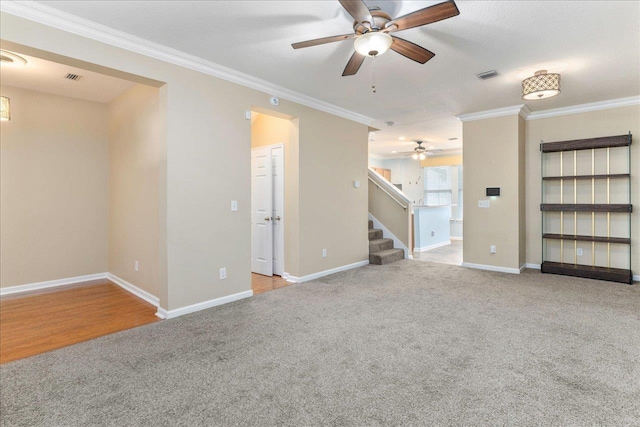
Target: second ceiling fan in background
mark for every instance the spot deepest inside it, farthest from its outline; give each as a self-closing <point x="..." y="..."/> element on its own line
<point x="372" y="28"/>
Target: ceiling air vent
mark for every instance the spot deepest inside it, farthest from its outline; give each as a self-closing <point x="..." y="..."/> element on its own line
<point x="73" y="77"/>
<point x="487" y="75"/>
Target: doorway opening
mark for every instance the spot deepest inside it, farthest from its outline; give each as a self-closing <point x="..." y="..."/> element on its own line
<point x="270" y="140"/>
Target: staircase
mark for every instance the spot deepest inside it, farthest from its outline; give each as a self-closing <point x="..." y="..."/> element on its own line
<point x="381" y="250"/>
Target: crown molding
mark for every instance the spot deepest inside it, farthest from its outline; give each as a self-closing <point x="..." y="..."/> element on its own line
<point x="58" y="19"/>
<point x="584" y="108"/>
<point x="521" y="110"/>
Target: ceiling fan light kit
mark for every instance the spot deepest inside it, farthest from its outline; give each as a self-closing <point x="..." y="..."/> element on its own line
<point x="372" y="28"/>
<point x="541" y="85"/>
<point x="373" y="43"/>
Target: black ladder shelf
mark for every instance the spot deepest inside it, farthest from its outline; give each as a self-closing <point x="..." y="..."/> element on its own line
<point x="593" y="271"/>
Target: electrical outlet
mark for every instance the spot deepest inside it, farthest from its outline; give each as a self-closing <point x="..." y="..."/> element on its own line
<point x="324" y="253"/>
<point x="234" y="206"/>
<point x="223" y="273"/>
<point x="579" y="251"/>
<point x="136" y="266"/>
<point x="483" y="203"/>
<point x="492" y="249"/>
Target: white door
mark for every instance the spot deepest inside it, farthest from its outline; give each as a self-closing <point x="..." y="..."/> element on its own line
<point x="277" y="167"/>
<point x="261" y="211"/>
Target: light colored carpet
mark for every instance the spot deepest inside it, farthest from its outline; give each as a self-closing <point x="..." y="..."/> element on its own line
<point x="411" y="343"/>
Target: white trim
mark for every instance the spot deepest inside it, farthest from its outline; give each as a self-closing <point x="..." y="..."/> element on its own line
<point x="428" y="248"/>
<point x="584" y="108"/>
<point x="293" y="279"/>
<point x="140" y="293"/>
<point x="493" y="268"/>
<point x="455" y="238"/>
<point x="532" y="266"/>
<point x="636" y="277"/>
<point x="170" y="314"/>
<point x="388" y="234"/>
<point x="521" y="109"/>
<point x="51" y="284"/>
<point x="55" y="18"/>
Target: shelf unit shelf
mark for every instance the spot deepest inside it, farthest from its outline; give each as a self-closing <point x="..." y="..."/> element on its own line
<point x="597" y="239"/>
<point x="585" y="207"/>
<point x="583" y="177"/>
<point x="619" y="275"/>
<point x="564" y="209"/>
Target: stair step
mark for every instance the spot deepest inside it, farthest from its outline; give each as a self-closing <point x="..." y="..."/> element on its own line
<point x="378" y="245"/>
<point x="370" y="224"/>
<point x="375" y="234"/>
<point x="386" y="257"/>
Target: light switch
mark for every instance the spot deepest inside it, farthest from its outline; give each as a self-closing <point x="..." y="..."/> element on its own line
<point x="356" y="184"/>
<point x="247" y="115"/>
<point x="234" y="205"/>
<point x="483" y="203"/>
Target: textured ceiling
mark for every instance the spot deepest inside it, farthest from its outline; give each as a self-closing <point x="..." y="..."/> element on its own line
<point x="595" y="45"/>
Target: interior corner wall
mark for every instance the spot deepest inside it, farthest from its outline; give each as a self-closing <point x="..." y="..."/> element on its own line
<point x="492" y="158"/>
<point x="614" y="121"/>
<point x="208" y="164"/>
<point x="522" y="193"/>
<point x="54" y="188"/>
<point x="134" y="156"/>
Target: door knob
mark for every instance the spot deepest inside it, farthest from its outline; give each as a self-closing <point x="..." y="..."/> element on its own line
<point x="267" y="219"/>
<point x="277" y="218"/>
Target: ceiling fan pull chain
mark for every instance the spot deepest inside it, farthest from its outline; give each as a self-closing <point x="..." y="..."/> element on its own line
<point x="373" y="74"/>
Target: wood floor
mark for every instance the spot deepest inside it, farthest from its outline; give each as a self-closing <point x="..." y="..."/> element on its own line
<point x="261" y="284"/>
<point x="37" y="322"/>
<point x="49" y="319"/>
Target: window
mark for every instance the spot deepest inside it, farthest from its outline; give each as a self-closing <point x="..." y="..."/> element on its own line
<point x="437" y="185"/>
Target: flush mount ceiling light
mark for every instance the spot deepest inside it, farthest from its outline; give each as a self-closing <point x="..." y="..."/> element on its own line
<point x="541" y="85"/>
<point x="5" y="109"/>
<point x="10" y="58"/>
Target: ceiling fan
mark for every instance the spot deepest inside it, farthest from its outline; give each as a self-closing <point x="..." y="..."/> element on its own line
<point x="372" y="28"/>
<point x="421" y="152"/>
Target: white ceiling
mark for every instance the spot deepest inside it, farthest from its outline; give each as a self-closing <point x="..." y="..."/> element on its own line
<point x="49" y="77"/>
<point x="595" y="45"/>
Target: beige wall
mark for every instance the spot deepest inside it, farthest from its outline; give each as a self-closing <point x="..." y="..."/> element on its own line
<point x="134" y="150"/>
<point x="54" y="181"/>
<point x="617" y="121"/>
<point x="492" y="155"/>
<point x="208" y="142"/>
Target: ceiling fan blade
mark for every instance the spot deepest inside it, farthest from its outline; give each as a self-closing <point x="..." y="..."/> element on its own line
<point x="411" y="50"/>
<point x="358" y="10"/>
<point x="353" y="65"/>
<point x="424" y="16"/>
<point x="316" y="42"/>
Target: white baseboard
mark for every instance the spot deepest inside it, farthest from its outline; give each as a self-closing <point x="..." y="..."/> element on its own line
<point x="170" y="314"/>
<point x="533" y="266"/>
<point x="151" y="299"/>
<point x="428" y="248"/>
<point x="493" y="268"/>
<point x="389" y="235"/>
<point x="294" y="279"/>
<point x="636" y="277"/>
<point x="455" y="238"/>
<point x="51" y="284"/>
